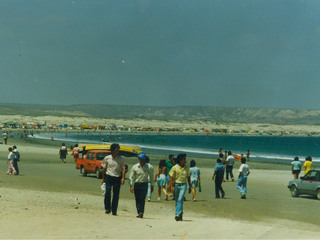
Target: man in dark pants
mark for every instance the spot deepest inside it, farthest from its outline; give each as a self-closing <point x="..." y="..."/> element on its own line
<point x="229" y="166"/>
<point x="113" y="174"/>
<point x="139" y="179"/>
<point x="218" y="177"/>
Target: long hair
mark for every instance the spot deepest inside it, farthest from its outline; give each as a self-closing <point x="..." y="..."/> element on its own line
<point x="162" y="163"/>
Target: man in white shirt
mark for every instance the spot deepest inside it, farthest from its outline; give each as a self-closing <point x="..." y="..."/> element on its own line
<point x="244" y="172"/>
<point x="113" y="174"/>
<point x="229" y="166"/>
<point x="140" y="175"/>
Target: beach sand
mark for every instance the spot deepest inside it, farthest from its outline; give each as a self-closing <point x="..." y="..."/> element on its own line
<point x="50" y="200"/>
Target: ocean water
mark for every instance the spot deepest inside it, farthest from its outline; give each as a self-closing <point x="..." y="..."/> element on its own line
<point x="264" y="148"/>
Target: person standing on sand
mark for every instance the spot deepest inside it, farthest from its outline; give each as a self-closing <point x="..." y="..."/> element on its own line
<point x="179" y="175"/>
<point x="139" y="175"/>
<point x="244" y="172"/>
<point x="194" y="178"/>
<point x="63" y="153"/>
<point x="161" y="178"/>
<point x="307" y="165"/>
<point x="218" y="178"/>
<point x="10" y="161"/>
<point x="296" y="167"/>
<point x="5" y="137"/>
<point x="113" y="174"/>
<point x="229" y="166"/>
<point x="170" y="163"/>
<point x="248" y="155"/>
<point x="75" y="152"/>
<point x="16" y="159"/>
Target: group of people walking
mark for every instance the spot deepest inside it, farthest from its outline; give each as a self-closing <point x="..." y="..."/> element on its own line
<point x="141" y="175"/>
<point x="173" y="177"/>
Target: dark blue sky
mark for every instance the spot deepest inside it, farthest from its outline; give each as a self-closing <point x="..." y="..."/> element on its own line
<point x="161" y="53"/>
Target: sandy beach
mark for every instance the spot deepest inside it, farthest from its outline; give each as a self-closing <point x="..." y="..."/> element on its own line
<point x="50" y="200"/>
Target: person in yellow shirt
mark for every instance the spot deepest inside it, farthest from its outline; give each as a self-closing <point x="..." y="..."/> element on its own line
<point x="179" y="175"/>
<point x="307" y="165"/>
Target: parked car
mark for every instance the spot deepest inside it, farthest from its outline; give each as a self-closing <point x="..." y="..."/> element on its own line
<point x="91" y="162"/>
<point x="92" y="156"/>
<point x="309" y="184"/>
<point x="127" y="151"/>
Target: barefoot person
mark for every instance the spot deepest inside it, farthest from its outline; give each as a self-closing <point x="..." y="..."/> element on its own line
<point x="244" y="172"/>
<point x="248" y="155"/>
<point x="296" y="167"/>
<point x="179" y="175"/>
<point x="113" y="174"/>
<point x="139" y="175"/>
<point x="161" y="177"/>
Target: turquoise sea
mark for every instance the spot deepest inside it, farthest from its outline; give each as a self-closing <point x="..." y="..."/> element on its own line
<point x="264" y="148"/>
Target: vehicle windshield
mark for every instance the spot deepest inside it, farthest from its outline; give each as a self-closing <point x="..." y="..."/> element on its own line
<point x="101" y="156"/>
<point x="312" y="175"/>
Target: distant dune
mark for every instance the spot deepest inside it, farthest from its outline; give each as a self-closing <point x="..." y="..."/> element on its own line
<point x="188" y="113"/>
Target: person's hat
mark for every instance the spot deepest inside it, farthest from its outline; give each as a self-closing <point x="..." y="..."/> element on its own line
<point x="142" y="155"/>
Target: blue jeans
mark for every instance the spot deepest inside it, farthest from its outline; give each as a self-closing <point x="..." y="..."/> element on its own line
<point x="179" y="191"/>
<point x="149" y="191"/>
<point x="242" y="184"/>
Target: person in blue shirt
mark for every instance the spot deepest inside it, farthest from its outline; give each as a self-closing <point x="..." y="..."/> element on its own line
<point x="296" y="167"/>
<point x="218" y="178"/>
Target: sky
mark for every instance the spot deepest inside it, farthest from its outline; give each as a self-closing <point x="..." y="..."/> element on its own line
<point x="248" y="53"/>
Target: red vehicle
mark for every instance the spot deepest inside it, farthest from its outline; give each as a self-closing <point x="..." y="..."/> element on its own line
<point x="91" y="162"/>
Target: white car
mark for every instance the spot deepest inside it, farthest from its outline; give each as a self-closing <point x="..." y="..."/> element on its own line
<point x="309" y="184"/>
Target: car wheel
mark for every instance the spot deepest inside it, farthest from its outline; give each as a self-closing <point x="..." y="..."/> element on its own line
<point x="98" y="173"/>
<point x="82" y="171"/>
<point x="294" y="191"/>
<point x="318" y="193"/>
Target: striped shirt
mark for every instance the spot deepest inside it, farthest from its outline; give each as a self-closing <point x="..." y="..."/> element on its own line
<point x="179" y="174"/>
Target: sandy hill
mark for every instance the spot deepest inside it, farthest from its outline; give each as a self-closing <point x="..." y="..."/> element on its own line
<point x="210" y="114"/>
